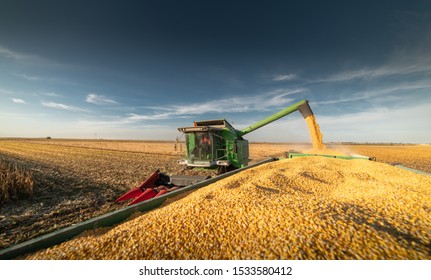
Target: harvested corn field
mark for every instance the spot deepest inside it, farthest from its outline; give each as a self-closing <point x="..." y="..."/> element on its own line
<point x="15" y="182"/>
<point x="304" y="208"/>
<point x="74" y="182"/>
<point x="413" y="156"/>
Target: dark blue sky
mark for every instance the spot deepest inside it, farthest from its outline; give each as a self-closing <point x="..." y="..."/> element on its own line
<point x="140" y="69"/>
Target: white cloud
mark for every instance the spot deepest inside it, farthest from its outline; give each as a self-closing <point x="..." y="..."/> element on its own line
<point x="287" y="77"/>
<point x="263" y="102"/>
<point x="357" y="74"/>
<point x="99" y="99"/>
<point x="106" y="130"/>
<point x="117" y="122"/>
<point x="27" y="59"/>
<point x="399" y="64"/>
<point x="136" y="117"/>
<point x="378" y="124"/>
<point x="50" y="94"/>
<point x="18" y="100"/>
<point x="9" y="92"/>
<point x="61" y="106"/>
<point x="5" y="52"/>
<point x="382" y="93"/>
<point x="27" y="77"/>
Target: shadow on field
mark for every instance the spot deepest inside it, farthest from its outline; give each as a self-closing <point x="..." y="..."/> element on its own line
<point x="361" y="215"/>
<point x="60" y="198"/>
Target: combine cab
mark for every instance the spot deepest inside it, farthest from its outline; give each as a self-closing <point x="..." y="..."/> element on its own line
<point x="209" y="144"/>
<point x="214" y="144"/>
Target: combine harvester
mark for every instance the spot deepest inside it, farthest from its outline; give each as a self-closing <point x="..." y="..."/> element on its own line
<point x="214" y="144"/>
<point x="210" y="144"/>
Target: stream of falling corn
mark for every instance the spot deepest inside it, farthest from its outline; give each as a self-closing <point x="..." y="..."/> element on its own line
<point x="315" y="134"/>
<point x="302" y="208"/>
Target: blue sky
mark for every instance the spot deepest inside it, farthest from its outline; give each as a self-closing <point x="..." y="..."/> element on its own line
<point x="140" y="69"/>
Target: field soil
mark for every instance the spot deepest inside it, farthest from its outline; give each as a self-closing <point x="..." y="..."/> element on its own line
<point x="76" y="180"/>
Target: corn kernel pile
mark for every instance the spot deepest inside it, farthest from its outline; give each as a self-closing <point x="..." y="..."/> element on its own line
<point x="302" y="208"/>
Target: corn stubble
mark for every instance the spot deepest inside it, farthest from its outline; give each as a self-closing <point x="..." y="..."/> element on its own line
<point x="15" y="182"/>
<point x="302" y="208"/>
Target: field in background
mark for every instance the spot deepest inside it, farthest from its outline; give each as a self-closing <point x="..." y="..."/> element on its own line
<point x="75" y="180"/>
<point x="414" y="156"/>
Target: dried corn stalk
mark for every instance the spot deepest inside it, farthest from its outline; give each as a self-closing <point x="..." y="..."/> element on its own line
<point x="15" y="182"/>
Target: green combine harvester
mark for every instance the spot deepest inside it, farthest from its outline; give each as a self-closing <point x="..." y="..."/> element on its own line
<point x="216" y="143"/>
<point x="210" y="144"/>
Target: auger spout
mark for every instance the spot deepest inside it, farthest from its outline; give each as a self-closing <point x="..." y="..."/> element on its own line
<point x="302" y="106"/>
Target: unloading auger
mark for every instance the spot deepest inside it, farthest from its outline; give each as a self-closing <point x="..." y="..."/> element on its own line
<point x="209" y="144"/>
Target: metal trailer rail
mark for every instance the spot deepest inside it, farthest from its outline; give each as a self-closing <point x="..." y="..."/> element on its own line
<point x="295" y="155"/>
<point x="108" y="219"/>
<point x="290" y="155"/>
<point x="413" y="170"/>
